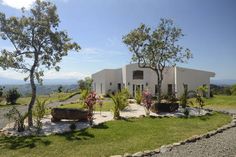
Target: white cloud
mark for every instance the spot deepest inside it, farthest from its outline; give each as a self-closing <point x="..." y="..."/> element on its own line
<point x="18" y="4"/>
<point x="64" y="75"/>
<point x="27" y="4"/>
<point x="12" y="74"/>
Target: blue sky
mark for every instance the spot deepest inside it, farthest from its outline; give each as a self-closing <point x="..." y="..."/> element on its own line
<point x="98" y="26"/>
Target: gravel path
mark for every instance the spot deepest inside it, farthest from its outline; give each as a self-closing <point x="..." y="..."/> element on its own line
<point x="220" y="145"/>
<point x="4" y="121"/>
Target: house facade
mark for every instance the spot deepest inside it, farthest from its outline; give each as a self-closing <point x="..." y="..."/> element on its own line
<point x="134" y="78"/>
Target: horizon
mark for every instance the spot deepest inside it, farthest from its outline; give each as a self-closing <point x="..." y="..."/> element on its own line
<point x="209" y="29"/>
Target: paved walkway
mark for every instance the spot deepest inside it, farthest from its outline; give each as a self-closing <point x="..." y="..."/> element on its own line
<point x="220" y="145"/>
<point x="22" y="109"/>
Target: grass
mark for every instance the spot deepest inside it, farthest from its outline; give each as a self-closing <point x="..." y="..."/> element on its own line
<point x="114" y="137"/>
<point x="107" y="106"/>
<point x="50" y="98"/>
<point x="220" y="102"/>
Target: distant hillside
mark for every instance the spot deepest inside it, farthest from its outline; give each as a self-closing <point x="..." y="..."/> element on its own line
<point x="41" y="90"/>
<point x="224" y="82"/>
<point x="9" y="81"/>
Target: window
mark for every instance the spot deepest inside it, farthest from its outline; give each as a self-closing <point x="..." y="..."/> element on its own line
<point x="170" y="89"/>
<point x="142" y="88"/>
<point x="155" y="89"/>
<point x="185" y="86"/>
<point x="138" y="74"/>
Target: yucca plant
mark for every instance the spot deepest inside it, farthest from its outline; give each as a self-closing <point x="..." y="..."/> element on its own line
<point x="120" y="102"/>
<point x="39" y="112"/>
<point x="138" y="96"/>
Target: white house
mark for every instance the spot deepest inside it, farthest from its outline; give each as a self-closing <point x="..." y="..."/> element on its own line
<point x="133" y="78"/>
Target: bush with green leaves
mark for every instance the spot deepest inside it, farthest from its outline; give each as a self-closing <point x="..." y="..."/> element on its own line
<point x="12" y="95"/>
<point x="138" y="96"/>
<point x="39" y="112"/>
<point x="72" y="126"/>
<point x="233" y="89"/>
<point x="120" y="102"/>
<point x="186" y="112"/>
<point x="17" y="117"/>
<point x="83" y="95"/>
<point x="1" y="94"/>
<point x="184" y="97"/>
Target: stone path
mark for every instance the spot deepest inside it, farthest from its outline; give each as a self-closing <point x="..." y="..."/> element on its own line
<point x="219" y="145"/>
<point x="21" y="108"/>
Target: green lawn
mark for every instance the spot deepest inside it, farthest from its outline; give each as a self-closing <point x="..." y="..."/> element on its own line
<point x="50" y="98"/>
<point x="220" y="102"/>
<point x="107" y="106"/>
<point x="114" y="137"/>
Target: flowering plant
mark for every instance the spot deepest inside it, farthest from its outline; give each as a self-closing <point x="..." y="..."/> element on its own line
<point x="90" y="101"/>
<point x="147" y="101"/>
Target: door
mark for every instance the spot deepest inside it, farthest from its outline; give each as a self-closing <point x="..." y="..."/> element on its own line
<point x="119" y="87"/>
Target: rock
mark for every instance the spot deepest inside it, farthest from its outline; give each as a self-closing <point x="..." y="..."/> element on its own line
<point x="176" y="144"/>
<point x="138" y="154"/>
<point x="116" y="156"/>
<point x="127" y="155"/>
<point x="157" y="151"/>
<point x="165" y="148"/>
<point x="147" y="152"/>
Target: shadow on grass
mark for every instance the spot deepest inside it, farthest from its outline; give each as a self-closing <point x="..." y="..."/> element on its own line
<point x="14" y="142"/>
<point x="100" y="126"/>
<point x="77" y="135"/>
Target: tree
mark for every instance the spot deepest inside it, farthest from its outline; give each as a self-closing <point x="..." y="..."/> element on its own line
<point x="37" y="42"/>
<point x="85" y="84"/>
<point x="233" y="89"/>
<point x="59" y="89"/>
<point x="12" y="95"/>
<point x="158" y="49"/>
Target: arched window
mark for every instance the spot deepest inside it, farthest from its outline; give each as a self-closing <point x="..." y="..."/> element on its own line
<point x="138" y="74"/>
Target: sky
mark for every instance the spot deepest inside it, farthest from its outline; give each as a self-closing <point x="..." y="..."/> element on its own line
<point x="98" y="26"/>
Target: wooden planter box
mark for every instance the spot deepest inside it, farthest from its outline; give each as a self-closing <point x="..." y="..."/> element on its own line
<point x="166" y="107"/>
<point x="70" y="114"/>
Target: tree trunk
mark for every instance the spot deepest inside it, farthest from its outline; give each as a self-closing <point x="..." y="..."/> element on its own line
<point x="32" y="101"/>
<point x="159" y="82"/>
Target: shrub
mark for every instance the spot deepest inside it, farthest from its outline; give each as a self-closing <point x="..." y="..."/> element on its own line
<point x="186" y="112"/>
<point x="72" y="126"/>
<point x="39" y="112"/>
<point x="1" y="91"/>
<point x="126" y="93"/>
<point x="59" y="89"/>
<point x="147" y="101"/>
<point x="184" y="97"/>
<point x="170" y="98"/>
<point x="90" y="101"/>
<point x="12" y="95"/>
<point x="17" y="117"/>
<point x="138" y="96"/>
<point x="120" y="102"/>
<point x="83" y="95"/>
<point x="200" y="101"/>
<point x="1" y="94"/>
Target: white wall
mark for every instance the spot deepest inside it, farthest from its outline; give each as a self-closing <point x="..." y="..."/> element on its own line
<point x="176" y="76"/>
<point x="193" y="78"/>
<point x="108" y="79"/>
<point x="149" y="79"/>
